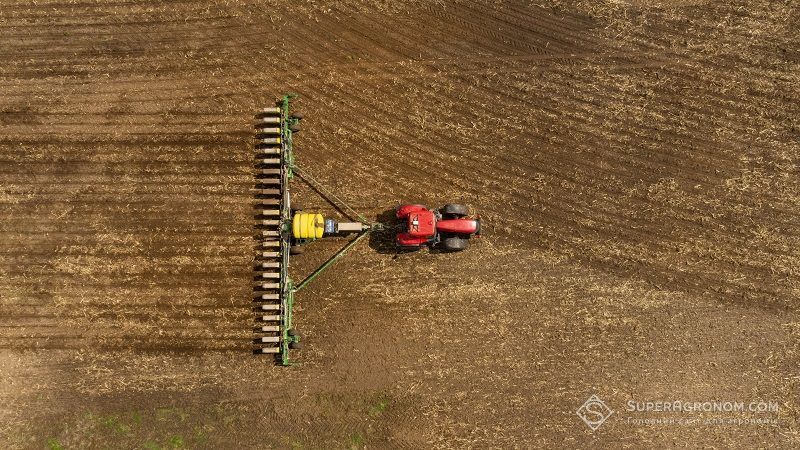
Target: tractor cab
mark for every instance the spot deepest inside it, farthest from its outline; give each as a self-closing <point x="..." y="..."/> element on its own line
<point x="422" y="224"/>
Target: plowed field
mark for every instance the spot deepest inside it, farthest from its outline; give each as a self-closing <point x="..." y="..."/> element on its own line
<point x="635" y="164"/>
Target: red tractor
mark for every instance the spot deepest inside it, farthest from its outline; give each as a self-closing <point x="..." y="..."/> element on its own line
<point x="448" y="227"/>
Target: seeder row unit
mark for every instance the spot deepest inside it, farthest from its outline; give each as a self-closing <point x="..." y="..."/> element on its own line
<point x="273" y="291"/>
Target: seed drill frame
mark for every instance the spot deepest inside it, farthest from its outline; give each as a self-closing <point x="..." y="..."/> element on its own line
<point x="274" y="289"/>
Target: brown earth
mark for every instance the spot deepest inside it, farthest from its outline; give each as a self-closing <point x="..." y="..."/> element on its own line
<point x="635" y="164"/>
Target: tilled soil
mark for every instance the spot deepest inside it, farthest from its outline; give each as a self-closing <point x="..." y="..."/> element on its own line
<point x="635" y="165"/>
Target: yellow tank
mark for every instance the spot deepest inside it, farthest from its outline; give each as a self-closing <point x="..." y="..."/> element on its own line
<point x="308" y="226"/>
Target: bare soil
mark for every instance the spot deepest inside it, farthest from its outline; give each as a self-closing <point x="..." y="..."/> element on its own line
<point x="635" y="163"/>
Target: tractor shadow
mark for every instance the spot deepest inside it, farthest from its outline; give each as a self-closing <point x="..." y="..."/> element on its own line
<point x="383" y="241"/>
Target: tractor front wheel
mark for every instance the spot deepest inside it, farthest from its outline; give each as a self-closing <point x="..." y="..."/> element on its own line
<point x="454" y="244"/>
<point x="455" y="210"/>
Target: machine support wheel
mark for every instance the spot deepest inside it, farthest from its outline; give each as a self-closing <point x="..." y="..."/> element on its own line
<point x="295" y="250"/>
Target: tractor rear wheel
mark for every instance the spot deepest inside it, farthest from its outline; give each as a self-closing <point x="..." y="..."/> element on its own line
<point x="455" y="210"/>
<point x="454" y="244"/>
